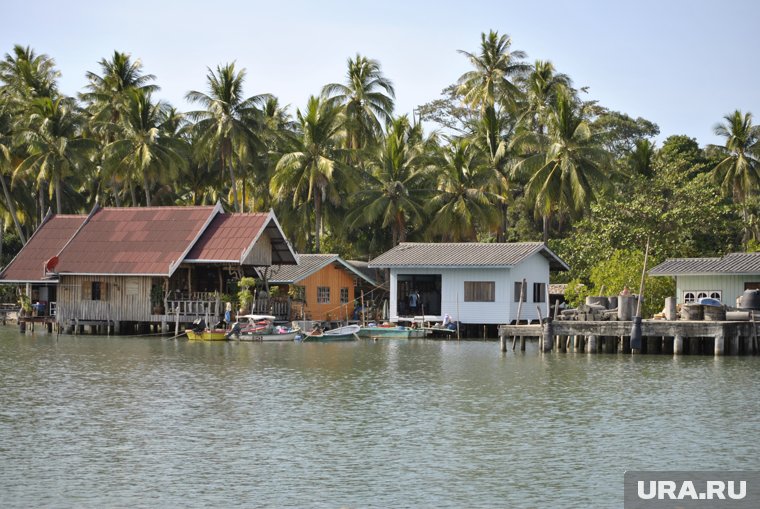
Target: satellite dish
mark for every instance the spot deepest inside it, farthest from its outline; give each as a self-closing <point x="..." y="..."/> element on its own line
<point x="51" y="264"/>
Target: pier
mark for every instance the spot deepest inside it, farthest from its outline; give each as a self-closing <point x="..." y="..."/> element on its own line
<point x="657" y="337"/>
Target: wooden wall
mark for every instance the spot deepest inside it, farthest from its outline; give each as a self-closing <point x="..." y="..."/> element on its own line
<point x="261" y="254"/>
<point x="335" y="279"/>
<point x="122" y="298"/>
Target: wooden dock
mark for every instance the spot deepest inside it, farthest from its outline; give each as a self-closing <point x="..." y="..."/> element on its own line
<point x="657" y="337"/>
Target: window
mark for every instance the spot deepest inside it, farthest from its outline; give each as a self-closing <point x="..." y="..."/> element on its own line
<point x="539" y="292"/>
<point x="94" y="290"/>
<point x="323" y="295"/>
<point x="95" y="294"/>
<point x="693" y="296"/>
<point x="344" y="295"/>
<point x="479" y="291"/>
<point x="518" y="289"/>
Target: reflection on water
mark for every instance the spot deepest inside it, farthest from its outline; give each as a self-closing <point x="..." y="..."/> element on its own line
<point x="142" y="422"/>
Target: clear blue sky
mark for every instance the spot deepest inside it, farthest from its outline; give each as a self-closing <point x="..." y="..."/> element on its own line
<point x="681" y="64"/>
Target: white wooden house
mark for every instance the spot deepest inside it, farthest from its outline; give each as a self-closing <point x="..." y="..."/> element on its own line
<point x="475" y="283"/>
<point x="724" y="279"/>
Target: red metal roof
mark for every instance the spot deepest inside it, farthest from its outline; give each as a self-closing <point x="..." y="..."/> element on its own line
<point x="147" y="240"/>
<point x="46" y="242"/>
<point x="228" y="237"/>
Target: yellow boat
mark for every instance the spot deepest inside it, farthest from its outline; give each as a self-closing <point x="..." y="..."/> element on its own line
<point x="207" y="335"/>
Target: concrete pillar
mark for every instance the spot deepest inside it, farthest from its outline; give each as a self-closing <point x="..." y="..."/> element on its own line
<point x="670" y="309"/>
<point x="591" y="347"/>
<point x="625" y="307"/>
<point x="733" y="346"/>
<point x="503" y="343"/>
<point x="678" y="345"/>
<point x="720" y="344"/>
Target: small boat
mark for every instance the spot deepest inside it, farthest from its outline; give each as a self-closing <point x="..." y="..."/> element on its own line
<point x="200" y="332"/>
<point x="247" y="326"/>
<point x="207" y="334"/>
<point x="346" y="333"/>
<point x="391" y="332"/>
<point x="282" y="335"/>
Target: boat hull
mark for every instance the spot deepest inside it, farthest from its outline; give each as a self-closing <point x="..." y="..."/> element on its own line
<point x="206" y="335"/>
<point x="391" y="332"/>
<point x="324" y="338"/>
<point x="287" y="336"/>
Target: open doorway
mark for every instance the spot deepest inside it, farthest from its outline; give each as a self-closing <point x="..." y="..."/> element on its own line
<point x="418" y="294"/>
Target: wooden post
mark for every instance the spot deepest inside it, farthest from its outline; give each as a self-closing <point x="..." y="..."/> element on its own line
<point x="176" y="322"/>
<point x="517" y="318"/>
<point x="362" y="314"/>
<point x="458" y="336"/>
<point x="503" y="342"/>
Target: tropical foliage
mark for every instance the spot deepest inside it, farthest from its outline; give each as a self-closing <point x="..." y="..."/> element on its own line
<point x="510" y="151"/>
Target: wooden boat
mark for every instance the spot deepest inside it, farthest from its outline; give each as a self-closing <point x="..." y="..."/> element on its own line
<point x="251" y="325"/>
<point x="207" y="334"/>
<point x="394" y="332"/>
<point x="288" y="335"/>
<point x="201" y="332"/>
<point x="347" y="333"/>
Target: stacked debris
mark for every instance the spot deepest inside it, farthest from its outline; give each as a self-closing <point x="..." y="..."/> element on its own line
<point x="600" y="308"/>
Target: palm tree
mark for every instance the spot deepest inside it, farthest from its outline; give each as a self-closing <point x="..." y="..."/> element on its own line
<point x="143" y="147"/>
<point x="641" y="159"/>
<point x="228" y="130"/>
<point x="368" y="100"/>
<point x="495" y="69"/>
<point x="54" y="146"/>
<point x="108" y="98"/>
<point x="29" y="75"/>
<point x="541" y="85"/>
<point x="396" y="182"/>
<point x="565" y="167"/>
<point x="6" y="155"/>
<point x="312" y="171"/>
<point x="468" y="192"/>
<point x="739" y="172"/>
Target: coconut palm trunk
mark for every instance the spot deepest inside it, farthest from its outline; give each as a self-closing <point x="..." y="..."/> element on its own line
<point x="12" y="209"/>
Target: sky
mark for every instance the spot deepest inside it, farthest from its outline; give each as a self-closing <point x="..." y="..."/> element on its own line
<point x="681" y="64"/>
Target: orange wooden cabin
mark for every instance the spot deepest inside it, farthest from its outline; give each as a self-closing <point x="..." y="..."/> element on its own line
<point x="329" y="286"/>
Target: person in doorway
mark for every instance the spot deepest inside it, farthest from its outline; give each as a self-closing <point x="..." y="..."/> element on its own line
<point x="414" y="298"/>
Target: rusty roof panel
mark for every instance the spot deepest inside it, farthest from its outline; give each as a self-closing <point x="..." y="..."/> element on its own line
<point x="133" y="240"/>
<point x="228" y="237"/>
<point x="46" y="242"/>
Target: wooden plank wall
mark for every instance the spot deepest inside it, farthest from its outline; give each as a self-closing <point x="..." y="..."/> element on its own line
<point x="335" y="279"/>
<point x="125" y="299"/>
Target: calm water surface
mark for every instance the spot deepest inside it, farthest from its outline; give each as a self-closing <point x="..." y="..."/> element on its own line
<point x="143" y="422"/>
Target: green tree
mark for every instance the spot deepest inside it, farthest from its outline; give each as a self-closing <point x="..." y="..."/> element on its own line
<point x="396" y="183"/>
<point x="495" y="69"/>
<point x="107" y="99"/>
<point x="229" y="129"/>
<point x="312" y="172"/>
<point x="739" y="172"/>
<point x="541" y="85"/>
<point x="6" y="158"/>
<point x="468" y="193"/>
<point x="145" y="148"/>
<point x="54" y="146"/>
<point x="368" y="99"/>
<point x="565" y="168"/>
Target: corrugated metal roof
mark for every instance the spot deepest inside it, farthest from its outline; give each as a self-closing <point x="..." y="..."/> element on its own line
<point x="228" y="237"/>
<point x="734" y="263"/>
<point x="308" y="264"/>
<point x="47" y="241"/>
<point x="147" y="240"/>
<point x="464" y="254"/>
